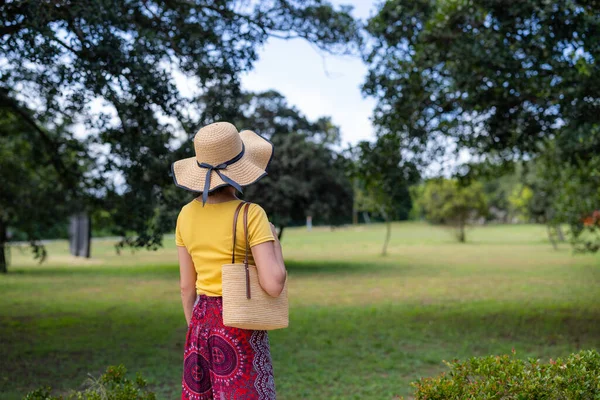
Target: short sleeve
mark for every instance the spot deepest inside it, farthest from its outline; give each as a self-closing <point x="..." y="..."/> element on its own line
<point x="259" y="229"/>
<point x="178" y="239"/>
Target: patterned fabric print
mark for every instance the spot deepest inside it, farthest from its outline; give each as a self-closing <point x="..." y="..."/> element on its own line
<point x="224" y="363"/>
<point x="264" y="383"/>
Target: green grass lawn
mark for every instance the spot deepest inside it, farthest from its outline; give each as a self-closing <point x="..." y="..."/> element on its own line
<point x="362" y="326"/>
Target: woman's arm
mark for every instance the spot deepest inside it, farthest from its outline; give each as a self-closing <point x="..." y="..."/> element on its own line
<point x="187" y="282"/>
<point x="268" y="257"/>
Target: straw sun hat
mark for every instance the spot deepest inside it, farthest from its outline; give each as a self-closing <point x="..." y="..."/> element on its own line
<point x="224" y="156"/>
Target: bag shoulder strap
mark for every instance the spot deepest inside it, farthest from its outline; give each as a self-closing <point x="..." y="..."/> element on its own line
<point x="235" y="220"/>
<point x="248" y="296"/>
<point x="246" y="233"/>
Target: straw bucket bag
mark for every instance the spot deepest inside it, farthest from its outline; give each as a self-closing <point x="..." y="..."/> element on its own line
<point x="245" y="303"/>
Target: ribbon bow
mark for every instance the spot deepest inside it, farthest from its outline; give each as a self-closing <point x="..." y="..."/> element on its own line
<point x="217" y="168"/>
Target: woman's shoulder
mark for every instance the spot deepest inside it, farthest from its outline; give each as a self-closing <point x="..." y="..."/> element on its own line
<point x="186" y="208"/>
<point x="255" y="207"/>
<point x="256" y="211"/>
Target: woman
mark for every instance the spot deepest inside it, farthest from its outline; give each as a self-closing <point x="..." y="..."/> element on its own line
<point x="221" y="362"/>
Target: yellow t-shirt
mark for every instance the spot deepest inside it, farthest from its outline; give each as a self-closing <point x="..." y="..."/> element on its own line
<point x="207" y="234"/>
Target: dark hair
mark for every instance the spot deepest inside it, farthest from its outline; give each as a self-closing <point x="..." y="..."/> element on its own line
<point x="216" y="191"/>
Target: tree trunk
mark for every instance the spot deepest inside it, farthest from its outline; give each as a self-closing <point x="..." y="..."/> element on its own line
<point x="388" y="234"/>
<point x="3" y="267"/>
<point x="366" y="217"/>
<point x="461" y="233"/>
<point x="354" y="217"/>
<point x="280" y="234"/>
<point x="551" y="236"/>
<point x="559" y="232"/>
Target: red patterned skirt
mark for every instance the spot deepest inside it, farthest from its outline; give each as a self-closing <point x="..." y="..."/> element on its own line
<point x="224" y="363"/>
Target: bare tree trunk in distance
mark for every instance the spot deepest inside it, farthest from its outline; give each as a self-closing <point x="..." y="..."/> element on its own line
<point x="461" y="232"/>
<point x="551" y="236"/>
<point x="388" y="234"/>
<point x="3" y="267"/>
<point x="387" y="237"/>
<point x="366" y="217"/>
<point x="559" y="233"/>
<point x="280" y="234"/>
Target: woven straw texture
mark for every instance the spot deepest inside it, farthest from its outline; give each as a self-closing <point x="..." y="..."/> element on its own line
<point x="220" y="142"/>
<point x="261" y="311"/>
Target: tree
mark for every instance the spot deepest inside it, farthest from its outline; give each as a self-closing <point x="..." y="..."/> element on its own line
<point x="501" y="79"/>
<point x="579" y="202"/>
<point x="33" y="195"/>
<point x="499" y="183"/>
<point x="519" y="199"/>
<point x="110" y="66"/>
<point x="305" y="177"/>
<point x="384" y="177"/>
<point x="577" y="199"/>
<point x="447" y="202"/>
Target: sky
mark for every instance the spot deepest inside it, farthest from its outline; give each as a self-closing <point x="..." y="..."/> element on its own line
<point x="318" y="84"/>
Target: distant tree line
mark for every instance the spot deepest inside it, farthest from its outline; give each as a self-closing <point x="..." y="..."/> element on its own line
<point x="518" y="193"/>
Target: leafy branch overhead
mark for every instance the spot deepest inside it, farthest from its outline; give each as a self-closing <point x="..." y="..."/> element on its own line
<point x="495" y="77"/>
<point x="504" y="80"/>
<point x="132" y="79"/>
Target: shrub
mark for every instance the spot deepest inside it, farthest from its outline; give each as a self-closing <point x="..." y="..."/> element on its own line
<point x="112" y="385"/>
<point x="507" y="378"/>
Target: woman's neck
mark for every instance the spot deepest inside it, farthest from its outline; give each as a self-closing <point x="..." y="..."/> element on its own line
<point x="221" y="197"/>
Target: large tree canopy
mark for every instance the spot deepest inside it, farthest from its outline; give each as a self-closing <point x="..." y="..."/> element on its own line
<point x="137" y="74"/>
<point x="505" y="80"/>
<point x="495" y="77"/>
<point x="30" y="184"/>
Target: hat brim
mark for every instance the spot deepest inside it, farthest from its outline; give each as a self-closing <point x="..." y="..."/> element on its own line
<point x="246" y="171"/>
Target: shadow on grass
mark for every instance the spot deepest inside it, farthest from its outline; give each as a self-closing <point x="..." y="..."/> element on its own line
<point x="294" y="267"/>
<point x="158" y="270"/>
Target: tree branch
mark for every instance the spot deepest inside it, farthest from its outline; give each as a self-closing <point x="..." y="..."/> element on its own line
<point x="10" y="29"/>
<point x="52" y="148"/>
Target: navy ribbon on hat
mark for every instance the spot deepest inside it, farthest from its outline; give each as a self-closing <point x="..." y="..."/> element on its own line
<point x="217" y="169"/>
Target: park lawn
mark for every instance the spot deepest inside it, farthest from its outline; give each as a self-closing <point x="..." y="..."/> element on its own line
<point x="362" y="326"/>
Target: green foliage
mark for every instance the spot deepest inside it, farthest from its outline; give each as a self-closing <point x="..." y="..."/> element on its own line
<point x="447" y="202"/>
<point x="382" y="179"/>
<point x="519" y="200"/>
<point x="501" y="183"/>
<point x="578" y="201"/>
<point x="509" y="378"/>
<point x="112" y="385"/>
<point x="111" y="65"/>
<point x="505" y="80"/>
<point x="306" y="177"/>
<point x="494" y="77"/>
<point x="567" y="192"/>
<point x="33" y="196"/>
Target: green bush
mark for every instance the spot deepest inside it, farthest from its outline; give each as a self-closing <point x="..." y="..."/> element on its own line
<point x="112" y="385"/>
<point x="507" y="378"/>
